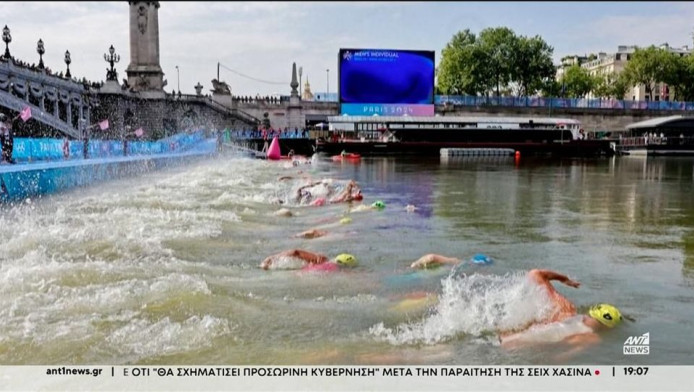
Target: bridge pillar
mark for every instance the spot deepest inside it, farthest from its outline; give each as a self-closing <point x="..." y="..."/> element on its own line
<point x="144" y="71"/>
<point x="68" y="118"/>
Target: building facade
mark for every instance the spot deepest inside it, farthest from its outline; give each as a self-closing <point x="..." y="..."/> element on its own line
<point x="614" y="63"/>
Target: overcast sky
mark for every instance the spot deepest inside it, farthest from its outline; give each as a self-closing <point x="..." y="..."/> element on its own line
<point x="262" y="39"/>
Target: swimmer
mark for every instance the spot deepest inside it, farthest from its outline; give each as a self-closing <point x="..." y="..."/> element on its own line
<point x="377" y="205"/>
<point x="311" y="260"/>
<point x="563" y="324"/>
<point x="351" y="192"/>
<point x="433" y="260"/>
<point x="421" y="300"/>
<point x="310" y="234"/>
<point x="284" y="212"/>
<point x="316" y="233"/>
<point x="411" y="208"/>
<point x="305" y="194"/>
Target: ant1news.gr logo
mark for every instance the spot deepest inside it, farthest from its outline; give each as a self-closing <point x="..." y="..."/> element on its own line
<point x="638" y="345"/>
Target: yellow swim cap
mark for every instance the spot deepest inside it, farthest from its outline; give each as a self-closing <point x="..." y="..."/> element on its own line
<point x="346" y="259"/>
<point x="346" y="220"/>
<point x="606" y="314"/>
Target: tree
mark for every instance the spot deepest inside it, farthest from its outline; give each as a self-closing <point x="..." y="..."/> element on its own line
<point x="650" y="66"/>
<point x="681" y="77"/>
<point x="551" y="87"/>
<point x="576" y="81"/>
<point x="495" y="60"/>
<point x="500" y="45"/>
<point x="457" y="72"/>
<point x="610" y="85"/>
<point x="532" y="64"/>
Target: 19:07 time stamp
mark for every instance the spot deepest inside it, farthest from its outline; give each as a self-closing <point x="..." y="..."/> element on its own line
<point x="633" y="370"/>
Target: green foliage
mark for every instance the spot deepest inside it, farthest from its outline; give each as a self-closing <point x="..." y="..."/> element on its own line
<point x="499" y="46"/>
<point x="551" y="88"/>
<point x="495" y="60"/>
<point x="458" y="72"/>
<point x="681" y="77"/>
<point x="576" y="82"/>
<point x="610" y="85"/>
<point x="532" y="65"/>
<point x="650" y="66"/>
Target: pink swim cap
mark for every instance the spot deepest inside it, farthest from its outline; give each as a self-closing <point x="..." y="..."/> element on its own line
<point x="318" y="202"/>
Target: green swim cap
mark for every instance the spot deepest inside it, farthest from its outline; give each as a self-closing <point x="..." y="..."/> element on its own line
<point x="346" y="220"/>
<point x="378" y="204"/>
<point x="346" y="259"/>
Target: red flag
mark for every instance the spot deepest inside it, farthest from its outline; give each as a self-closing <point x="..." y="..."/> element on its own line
<point x="25" y="114"/>
<point x="139" y="132"/>
<point x="103" y="125"/>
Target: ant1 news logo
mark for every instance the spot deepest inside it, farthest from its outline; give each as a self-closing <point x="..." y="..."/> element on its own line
<point x="347" y="55"/>
<point x="638" y="345"/>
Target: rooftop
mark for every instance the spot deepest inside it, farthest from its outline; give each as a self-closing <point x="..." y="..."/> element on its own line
<point x="655" y="122"/>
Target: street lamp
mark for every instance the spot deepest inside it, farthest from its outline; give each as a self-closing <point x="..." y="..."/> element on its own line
<point x="40" y="50"/>
<point x="327" y="72"/>
<point x="178" y="77"/>
<point x="7" y="38"/>
<point x="68" y="61"/>
<point x="112" y="58"/>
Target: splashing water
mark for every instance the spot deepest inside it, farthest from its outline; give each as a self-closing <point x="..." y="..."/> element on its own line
<point x="473" y="305"/>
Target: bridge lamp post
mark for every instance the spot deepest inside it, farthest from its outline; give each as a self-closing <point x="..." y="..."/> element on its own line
<point x="112" y="58"/>
<point x="178" y="78"/>
<point x="67" y="61"/>
<point x="7" y="38"/>
<point x="327" y="79"/>
<point x="40" y="50"/>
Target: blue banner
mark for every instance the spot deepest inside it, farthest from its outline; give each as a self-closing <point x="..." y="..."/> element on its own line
<point x="47" y="149"/>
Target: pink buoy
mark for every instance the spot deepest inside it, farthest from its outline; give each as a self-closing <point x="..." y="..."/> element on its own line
<point x="273" y="152"/>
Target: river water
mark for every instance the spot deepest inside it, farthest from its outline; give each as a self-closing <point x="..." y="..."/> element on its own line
<point x="163" y="268"/>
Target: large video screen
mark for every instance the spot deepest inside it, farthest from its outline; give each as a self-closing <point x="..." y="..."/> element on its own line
<point x="386" y="82"/>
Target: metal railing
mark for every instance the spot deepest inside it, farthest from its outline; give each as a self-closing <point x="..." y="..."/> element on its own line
<point x="569" y="103"/>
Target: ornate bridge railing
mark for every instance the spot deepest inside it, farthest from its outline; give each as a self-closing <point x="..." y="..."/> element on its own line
<point x="21" y="87"/>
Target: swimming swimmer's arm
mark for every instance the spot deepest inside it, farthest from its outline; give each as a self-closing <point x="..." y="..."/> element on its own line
<point x="311" y="185"/>
<point x="545" y="276"/>
<point x="579" y="343"/>
<point x="433" y="258"/>
<point x="309" y="257"/>
<point x="346" y="194"/>
<point x="312" y="233"/>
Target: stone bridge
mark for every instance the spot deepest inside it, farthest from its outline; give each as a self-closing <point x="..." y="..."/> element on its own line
<point x="70" y="107"/>
<point x="56" y="102"/>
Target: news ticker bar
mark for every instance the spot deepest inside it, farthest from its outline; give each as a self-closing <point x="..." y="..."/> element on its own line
<point x="386" y="378"/>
